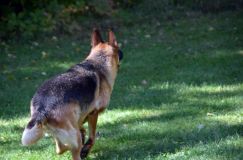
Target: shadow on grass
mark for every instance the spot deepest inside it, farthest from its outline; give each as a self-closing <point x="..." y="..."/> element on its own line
<point x="17" y="146"/>
<point x="227" y="150"/>
<point x="141" y="143"/>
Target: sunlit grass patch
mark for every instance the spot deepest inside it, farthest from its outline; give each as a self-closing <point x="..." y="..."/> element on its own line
<point x="224" y="149"/>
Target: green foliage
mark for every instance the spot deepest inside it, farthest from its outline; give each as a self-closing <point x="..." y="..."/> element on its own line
<point x="209" y="5"/>
<point x="24" y="18"/>
<point x="27" y="19"/>
<point x="28" y="23"/>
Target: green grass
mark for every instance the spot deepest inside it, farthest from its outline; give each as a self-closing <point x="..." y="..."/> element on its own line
<point x="178" y="95"/>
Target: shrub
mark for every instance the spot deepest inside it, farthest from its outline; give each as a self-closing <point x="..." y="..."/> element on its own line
<point x="210" y="5"/>
<point x="26" y="18"/>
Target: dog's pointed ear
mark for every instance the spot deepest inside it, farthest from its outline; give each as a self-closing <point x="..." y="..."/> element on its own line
<point x="112" y="38"/>
<point x="96" y="37"/>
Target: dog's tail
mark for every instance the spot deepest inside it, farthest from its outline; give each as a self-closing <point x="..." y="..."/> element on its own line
<point x="34" y="130"/>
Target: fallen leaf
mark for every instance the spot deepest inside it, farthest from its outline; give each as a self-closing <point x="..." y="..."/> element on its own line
<point x="200" y="126"/>
<point x="54" y="38"/>
<point x="210" y="114"/>
<point x="147" y="36"/>
<point x="144" y="82"/>
<point x="210" y="28"/>
<point x="11" y="56"/>
<point x="35" y="43"/>
<point x="44" y="54"/>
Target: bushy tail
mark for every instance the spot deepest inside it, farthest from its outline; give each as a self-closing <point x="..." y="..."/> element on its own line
<point x="33" y="132"/>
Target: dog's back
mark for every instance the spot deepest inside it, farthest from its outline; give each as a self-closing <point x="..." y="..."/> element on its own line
<point x="77" y="85"/>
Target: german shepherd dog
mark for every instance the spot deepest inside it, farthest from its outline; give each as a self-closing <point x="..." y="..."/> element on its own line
<point x="65" y="102"/>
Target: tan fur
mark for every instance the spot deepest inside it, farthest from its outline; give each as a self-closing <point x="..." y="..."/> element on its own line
<point x="112" y="61"/>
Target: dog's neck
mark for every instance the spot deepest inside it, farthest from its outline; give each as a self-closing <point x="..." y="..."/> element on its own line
<point x="104" y="67"/>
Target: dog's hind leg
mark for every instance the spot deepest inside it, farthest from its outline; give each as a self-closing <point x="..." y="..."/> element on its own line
<point x="64" y="126"/>
<point x="60" y="148"/>
<point x="92" y="122"/>
<point x="69" y="138"/>
<point x="77" y="149"/>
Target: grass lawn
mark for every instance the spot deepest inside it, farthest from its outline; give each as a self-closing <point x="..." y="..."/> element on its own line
<point x="178" y="94"/>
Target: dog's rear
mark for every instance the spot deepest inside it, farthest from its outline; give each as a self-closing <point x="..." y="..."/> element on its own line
<point x="32" y="133"/>
<point x="61" y="122"/>
<point x="34" y="129"/>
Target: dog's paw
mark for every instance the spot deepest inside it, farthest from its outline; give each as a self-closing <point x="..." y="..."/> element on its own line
<point x="86" y="148"/>
<point x="84" y="153"/>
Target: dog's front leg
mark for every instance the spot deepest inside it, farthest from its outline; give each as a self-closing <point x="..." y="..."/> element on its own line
<point x="92" y="122"/>
<point x="83" y="133"/>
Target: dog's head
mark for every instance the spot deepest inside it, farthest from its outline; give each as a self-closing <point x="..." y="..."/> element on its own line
<point x="106" y="52"/>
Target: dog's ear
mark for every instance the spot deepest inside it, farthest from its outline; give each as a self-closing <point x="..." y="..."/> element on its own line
<point x="96" y="37"/>
<point x="112" y="38"/>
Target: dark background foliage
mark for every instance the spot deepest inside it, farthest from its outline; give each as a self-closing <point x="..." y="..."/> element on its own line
<point x="28" y="19"/>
